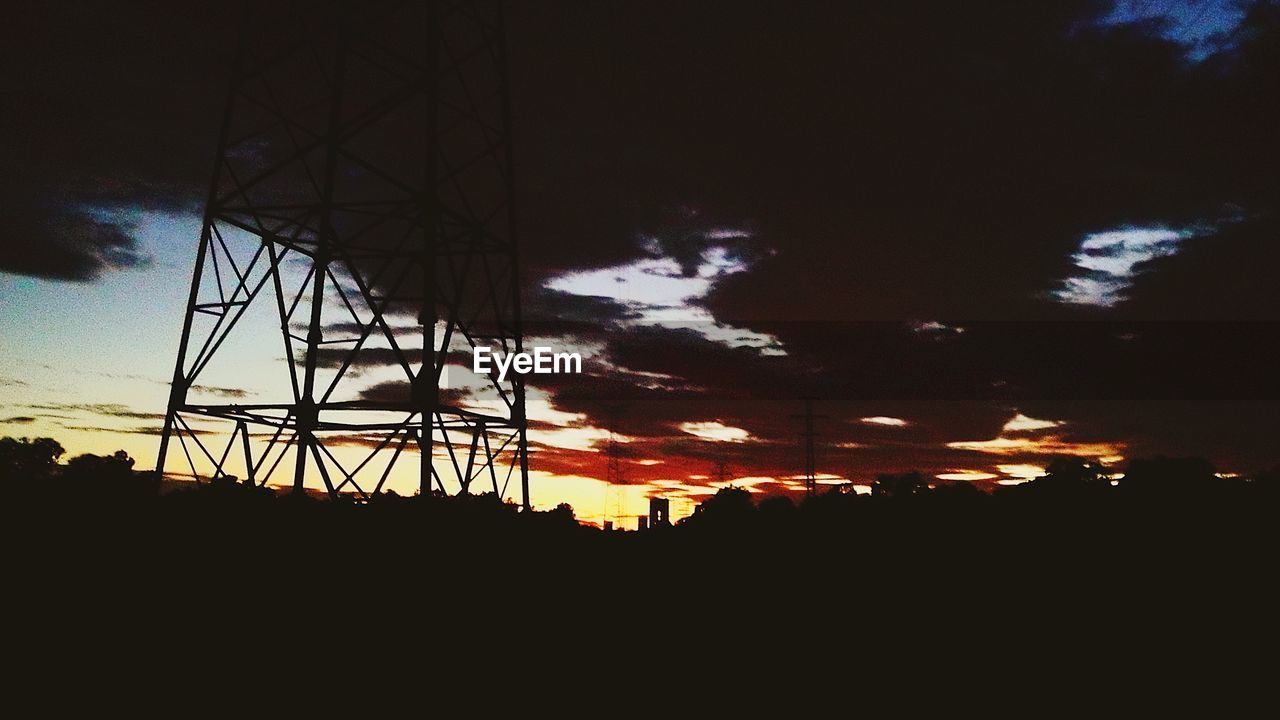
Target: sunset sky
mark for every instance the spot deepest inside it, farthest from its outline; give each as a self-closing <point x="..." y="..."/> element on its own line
<point x="981" y="234"/>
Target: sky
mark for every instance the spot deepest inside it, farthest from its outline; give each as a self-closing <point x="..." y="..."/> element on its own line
<point x="981" y="234"/>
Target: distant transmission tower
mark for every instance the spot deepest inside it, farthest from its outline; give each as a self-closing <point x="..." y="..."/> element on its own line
<point x="614" y="479"/>
<point x="613" y="469"/>
<point x="810" y="459"/>
<point x="723" y="475"/>
<point x="359" y="225"/>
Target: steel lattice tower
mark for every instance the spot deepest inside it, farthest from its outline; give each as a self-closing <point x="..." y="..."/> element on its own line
<point x="810" y="454"/>
<point x="358" y="222"/>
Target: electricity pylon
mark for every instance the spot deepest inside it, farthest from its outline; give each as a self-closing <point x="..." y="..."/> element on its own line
<point x="810" y="455"/>
<point x="359" y="220"/>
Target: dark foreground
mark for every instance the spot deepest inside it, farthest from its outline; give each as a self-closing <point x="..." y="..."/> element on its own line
<point x="935" y="547"/>
<point x="1170" y="536"/>
<point x="1161" y="594"/>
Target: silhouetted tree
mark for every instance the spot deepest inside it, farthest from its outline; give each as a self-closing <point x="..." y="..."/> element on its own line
<point x="777" y="506"/>
<point x="108" y="475"/>
<point x="1075" y="470"/>
<point x="562" y="513"/>
<point x="900" y="484"/>
<point x="957" y="491"/>
<point x="1270" y="477"/>
<point x="1069" y="474"/>
<point x="727" y="505"/>
<point x="24" y="460"/>
<point x="103" y="468"/>
<point x="1169" y="475"/>
<point x="28" y="459"/>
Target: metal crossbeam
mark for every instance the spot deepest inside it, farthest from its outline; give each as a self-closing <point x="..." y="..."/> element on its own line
<point x="362" y="181"/>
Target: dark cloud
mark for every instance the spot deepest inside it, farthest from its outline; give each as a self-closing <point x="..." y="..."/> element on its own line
<point x="19" y="420"/>
<point x="1221" y="277"/>
<point x="67" y="245"/>
<point x="920" y="157"/>
<point x="154" y="430"/>
<point x="369" y="441"/>
<point x="913" y="160"/>
<point x="396" y="391"/>
<point x="917" y="163"/>
<point x="1142" y="388"/>
<point x="547" y="310"/>
<point x="365" y="357"/>
<point x="102" y="107"/>
<point x="353" y="330"/>
<point x="915" y="177"/>
<point x="221" y="391"/>
<point x="103" y="409"/>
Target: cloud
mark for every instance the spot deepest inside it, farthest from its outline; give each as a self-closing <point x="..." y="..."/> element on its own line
<point x="220" y="391"/>
<point x="966" y="475"/>
<point x="104" y="409"/>
<point x="1202" y="27"/>
<point x="1022" y="471"/>
<point x="1022" y="423"/>
<point x="883" y="420"/>
<point x="1109" y="261"/>
<point x="1221" y="276"/>
<point x="715" y="431"/>
<point x="1051" y="445"/>
<point x="394" y="391"/>
<point x="989" y="153"/>
<point x="114" y="110"/>
<point x="669" y="290"/>
<point x="366" y="357"/>
<point x="68" y="244"/>
<point x="154" y="430"/>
